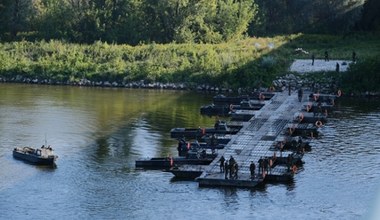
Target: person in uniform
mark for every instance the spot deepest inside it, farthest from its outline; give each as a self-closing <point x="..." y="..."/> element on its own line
<point x="226" y="169"/>
<point x="252" y="168"/>
<point x="260" y="165"/>
<point x="221" y="160"/>
<point x="300" y="94"/>
<point x="236" y="170"/>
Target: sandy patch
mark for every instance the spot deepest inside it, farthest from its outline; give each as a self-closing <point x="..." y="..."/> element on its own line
<point x="304" y="66"/>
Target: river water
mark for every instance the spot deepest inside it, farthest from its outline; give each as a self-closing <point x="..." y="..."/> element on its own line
<point x="98" y="133"/>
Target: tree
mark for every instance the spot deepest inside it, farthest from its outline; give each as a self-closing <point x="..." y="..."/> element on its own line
<point x="308" y="16"/>
<point x="51" y="19"/>
<point x="371" y="17"/>
<point x="215" y="21"/>
<point x="14" y="17"/>
<point x="233" y="17"/>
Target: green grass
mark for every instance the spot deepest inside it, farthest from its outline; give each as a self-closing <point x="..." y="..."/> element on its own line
<point x="247" y="63"/>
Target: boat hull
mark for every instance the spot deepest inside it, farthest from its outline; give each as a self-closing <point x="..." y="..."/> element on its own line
<point x="33" y="159"/>
<point x="186" y="174"/>
<point x="192" y="133"/>
<point x="164" y="163"/>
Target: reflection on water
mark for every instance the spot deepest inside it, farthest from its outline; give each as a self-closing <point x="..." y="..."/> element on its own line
<point x="99" y="133"/>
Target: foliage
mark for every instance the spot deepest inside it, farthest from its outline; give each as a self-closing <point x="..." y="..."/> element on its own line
<point x="247" y="63"/>
<point x="306" y="16"/>
<point x="192" y="63"/>
<point x="126" y="21"/>
<point x="371" y="17"/>
<point x="183" y="21"/>
<point x="364" y="76"/>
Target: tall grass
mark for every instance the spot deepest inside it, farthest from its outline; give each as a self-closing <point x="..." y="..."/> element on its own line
<point x="249" y="63"/>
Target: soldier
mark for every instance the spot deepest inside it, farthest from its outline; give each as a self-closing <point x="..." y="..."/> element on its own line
<point x="213" y="144"/>
<point x="300" y="94"/>
<point x="179" y="148"/>
<point x="327" y="56"/>
<point x="265" y="166"/>
<point x="226" y="169"/>
<point x="171" y="161"/>
<point x="213" y="140"/>
<point x="353" y="56"/>
<point x="232" y="160"/>
<point x="232" y="169"/>
<point x="236" y="170"/>
<point x="270" y="164"/>
<point x="289" y="161"/>
<point x="252" y="168"/>
<point x="312" y="59"/>
<point x="222" y="164"/>
<point x="260" y="165"/>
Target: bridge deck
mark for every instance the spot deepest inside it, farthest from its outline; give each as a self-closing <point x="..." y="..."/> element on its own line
<point x="254" y="141"/>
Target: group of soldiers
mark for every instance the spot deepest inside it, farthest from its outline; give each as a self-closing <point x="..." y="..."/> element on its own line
<point x="265" y="165"/>
<point x="229" y="167"/>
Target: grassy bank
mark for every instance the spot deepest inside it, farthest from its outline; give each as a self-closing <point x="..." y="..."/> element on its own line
<point x="248" y="63"/>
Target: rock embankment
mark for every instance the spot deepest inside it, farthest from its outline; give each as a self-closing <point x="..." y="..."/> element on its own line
<point x="317" y="79"/>
<point x="323" y="84"/>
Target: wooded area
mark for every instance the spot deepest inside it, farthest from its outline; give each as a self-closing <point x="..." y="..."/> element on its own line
<point x="182" y="21"/>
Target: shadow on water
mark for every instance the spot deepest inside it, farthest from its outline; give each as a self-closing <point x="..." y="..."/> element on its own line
<point x="358" y="105"/>
<point x="148" y="133"/>
<point x="102" y="149"/>
<point x="184" y="180"/>
<point x="290" y="186"/>
<point x="47" y="168"/>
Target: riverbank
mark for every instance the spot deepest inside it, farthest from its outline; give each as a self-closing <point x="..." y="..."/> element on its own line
<point x="248" y="64"/>
<point x="281" y="83"/>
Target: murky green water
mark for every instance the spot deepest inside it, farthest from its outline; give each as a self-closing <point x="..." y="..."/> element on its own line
<point x="99" y="133"/>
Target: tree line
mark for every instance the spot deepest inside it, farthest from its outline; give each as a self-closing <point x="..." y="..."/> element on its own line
<point x="182" y="21"/>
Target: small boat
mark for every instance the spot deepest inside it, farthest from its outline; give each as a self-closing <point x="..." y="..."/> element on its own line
<point x="218" y="139"/>
<point x="225" y="110"/>
<point x="192" y="156"/>
<point x="328" y="98"/>
<point x="247" y="105"/>
<point x="242" y="115"/>
<point x="291" y="159"/>
<point x="309" y="118"/>
<point x="220" y="127"/>
<point x="187" y="172"/>
<point x="167" y="162"/>
<point x="38" y="156"/>
<point x="187" y="148"/>
<point x="294" y="144"/>
<point x="235" y="100"/>
<point x="217" y="110"/>
<point x="318" y="108"/>
<point x="304" y="130"/>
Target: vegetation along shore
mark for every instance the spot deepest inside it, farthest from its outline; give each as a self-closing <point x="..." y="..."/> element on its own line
<point x="242" y="53"/>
